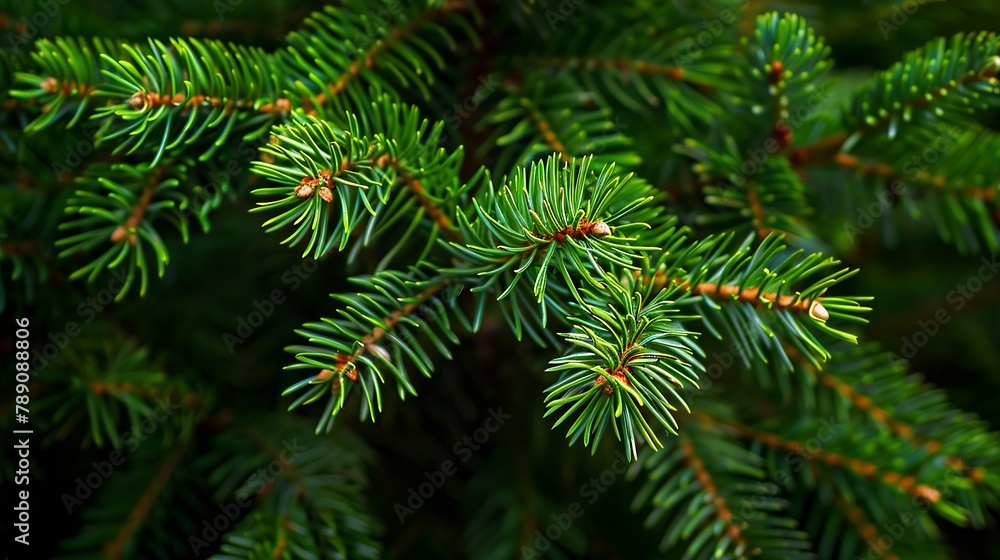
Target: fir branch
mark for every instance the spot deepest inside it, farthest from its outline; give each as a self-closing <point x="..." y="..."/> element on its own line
<point x="673" y="73"/>
<point x="767" y="195"/>
<point x="758" y="295"/>
<point x="432" y="207"/>
<point x="110" y="383"/>
<point x="902" y="482"/>
<point x="862" y="402"/>
<point x="329" y="166"/>
<point x="722" y="510"/>
<point x="539" y="115"/>
<point x="867" y="531"/>
<point x="66" y="80"/>
<point x="325" y="64"/>
<point x="347" y="362"/>
<point x="182" y="91"/>
<point x="728" y="293"/>
<point x="693" y="488"/>
<point x="943" y="82"/>
<point x="626" y="351"/>
<point x="570" y="219"/>
<point x="314" y="506"/>
<point x="127" y="230"/>
<point x="115" y="548"/>
<point x="119" y="203"/>
<point x="546" y="131"/>
<point x="907" y="408"/>
<point x="374" y="335"/>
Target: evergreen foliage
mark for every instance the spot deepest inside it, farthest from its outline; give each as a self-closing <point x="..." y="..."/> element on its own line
<point x="657" y="200"/>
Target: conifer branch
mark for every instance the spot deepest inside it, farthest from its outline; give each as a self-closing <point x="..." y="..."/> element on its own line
<point x="902" y="482"/>
<point x="347" y="362"/>
<point x="881" y="413"/>
<point x="368" y="58"/>
<point x="753" y="296"/>
<point x="867" y="531"/>
<point x="722" y="510"/>
<point x="116" y="547"/>
<point x="889" y="174"/>
<point x="138" y="209"/>
<point x="433" y="209"/>
<point x="757" y="210"/>
<point x="624" y="66"/>
<point x="550" y="137"/>
<point x="862" y="402"/>
<point x="919" y="88"/>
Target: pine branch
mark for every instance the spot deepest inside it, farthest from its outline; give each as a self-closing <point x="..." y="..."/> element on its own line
<point x="324" y="62"/>
<point x="869" y="381"/>
<point x="115" y="548"/>
<point x="66" y="80"/>
<point x="109" y="385"/>
<point x="544" y="115"/>
<point x="907" y="484"/>
<point x="695" y="487"/>
<point x="867" y="531"/>
<point x="941" y="83"/>
<point x="758" y="296"/>
<point x="326" y="166"/>
<point x="570" y="219"/>
<point x="120" y="204"/>
<point x="312" y="507"/>
<point x="770" y="196"/>
<point x="950" y="183"/>
<point x="628" y="354"/>
<point x="375" y="334"/>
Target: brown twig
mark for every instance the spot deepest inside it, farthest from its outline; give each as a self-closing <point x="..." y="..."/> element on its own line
<point x="751" y="295"/>
<point x="906" y="483"/>
<point x="116" y="547"/>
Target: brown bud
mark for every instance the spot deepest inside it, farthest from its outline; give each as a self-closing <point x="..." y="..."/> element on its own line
<point x="600" y="228"/>
<point x="304" y="190"/>
<point x="119" y="234"/>
<point x="818" y="311"/>
<point x="326" y="194"/>
<point x="50" y="85"/>
<point x="138" y="100"/>
<point x="776" y="72"/>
